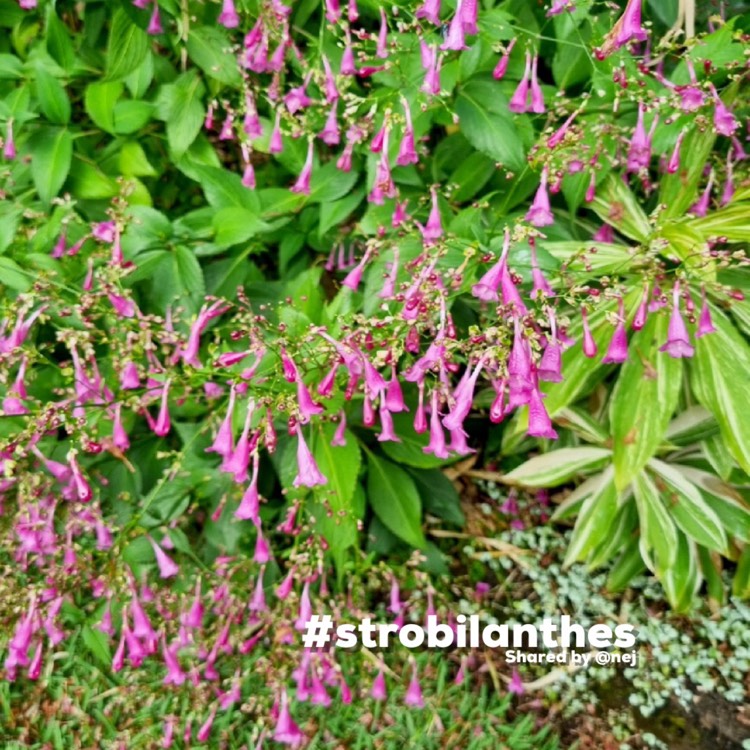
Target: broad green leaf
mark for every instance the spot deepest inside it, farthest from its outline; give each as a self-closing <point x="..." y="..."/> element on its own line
<point x="727" y="503"/>
<point x="488" y="124"/>
<point x="658" y="532"/>
<point x="53" y="152"/>
<point x="130" y="116"/>
<point x="580" y="258"/>
<point x="395" y="500"/>
<point x="127" y="48"/>
<point x="682" y="580"/>
<point x="180" y="105"/>
<point x="178" y="279"/>
<point x="53" y="100"/>
<point x="691" y="425"/>
<point x="100" y="100"/>
<point x="13" y="276"/>
<point x="643" y="400"/>
<point x="558" y="466"/>
<point x="718" y="375"/>
<point x="619" y="207"/>
<point x="89" y="182"/>
<point x="235" y="224"/>
<point x="688" y="508"/>
<point x="133" y="161"/>
<point x="210" y="49"/>
<point x="223" y="188"/>
<point x="59" y="43"/>
<point x="439" y="496"/>
<point x="333" y="213"/>
<point x="335" y="515"/>
<point x="11" y="67"/>
<point x="329" y="183"/>
<point x="594" y="519"/>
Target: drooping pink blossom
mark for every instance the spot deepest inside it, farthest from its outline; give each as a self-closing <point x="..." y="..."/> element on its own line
<point x="628" y="28"/>
<point x="618" y="346"/>
<point x="228" y="16"/>
<point x="678" y="343"/>
<point x="302" y="185"/>
<point x="540" y="213"/>
<point x="519" y="101"/>
<point x="705" y="323"/>
<point x="308" y="473"/>
<point x="167" y="566"/>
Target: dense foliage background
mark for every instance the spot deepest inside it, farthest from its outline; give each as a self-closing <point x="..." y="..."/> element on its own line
<point x="279" y="282"/>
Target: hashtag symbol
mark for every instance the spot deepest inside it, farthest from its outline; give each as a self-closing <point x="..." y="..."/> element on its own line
<point x="317" y="631"/>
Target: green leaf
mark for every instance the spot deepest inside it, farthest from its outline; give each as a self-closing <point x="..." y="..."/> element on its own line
<point x="488" y="124"/>
<point x="333" y="213"/>
<point x="439" y="496"/>
<point x="335" y="515"/>
<point x="53" y="152"/>
<point x="682" y="580"/>
<point x="59" y="43"/>
<point x="210" y="50"/>
<point x="53" y="100"/>
<point x="658" y="532"/>
<point x="127" y="48"/>
<point x="100" y="100"/>
<point x="718" y="375"/>
<point x="130" y="116"/>
<point x="558" y="467"/>
<point x="133" y="161"/>
<point x="688" y="508"/>
<point x="223" y="188"/>
<point x="643" y="400"/>
<point x="11" y="67"/>
<point x="13" y="276"/>
<point x="180" y="105"/>
<point x="178" y="279"/>
<point x="594" y="519"/>
<point x="395" y="500"/>
<point x="235" y="224"/>
<point x="329" y="183"/>
<point x="616" y="204"/>
<point x="96" y="642"/>
<point x="728" y="504"/>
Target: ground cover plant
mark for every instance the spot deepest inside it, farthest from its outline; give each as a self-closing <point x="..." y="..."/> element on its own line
<point x="281" y="282"/>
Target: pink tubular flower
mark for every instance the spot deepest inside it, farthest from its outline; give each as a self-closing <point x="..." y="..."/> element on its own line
<point x="464" y="397"/>
<point x="540" y="213"/>
<point x="249" y="507"/>
<point x="286" y="731"/>
<point x="455" y="38"/>
<point x="167" y="566"/>
<point x="154" y="25"/>
<point x="308" y="474"/>
<point x="724" y="121"/>
<point x="642" y="312"/>
<point x="378" y="691"/>
<point x="437" y="445"/>
<point x="627" y="29"/>
<point x="9" y="149"/>
<point x="558" y="6"/>
<point x="618" y="346"/>
<point x="333" y="11"/>
<point x="348" y="65"/>
<point x="518" y="102"/>
<point x="639" y="153"/>
<point x="430" y="11"/>
<point x="432" y="231"/>
<point x="674" y="160"/>
<point x="163" y="424"/>
<point x="228" y="16"/>
<point x="589" y="345"/>
<point x="413" y="696"/>
<point x="331" y="134"/>
<point x="678" y="340"/>
<point x="537" y="97"/>
<point x="382" y="46"/>
<point x="502" y="65"/>
<point x="705" y="324"/>
<point x="302" y="185"/>
<point x="540" y="425"/>
<point x="516" y="685"/>
<point x="407" y="153"/>
<point x="175" y="675"/>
